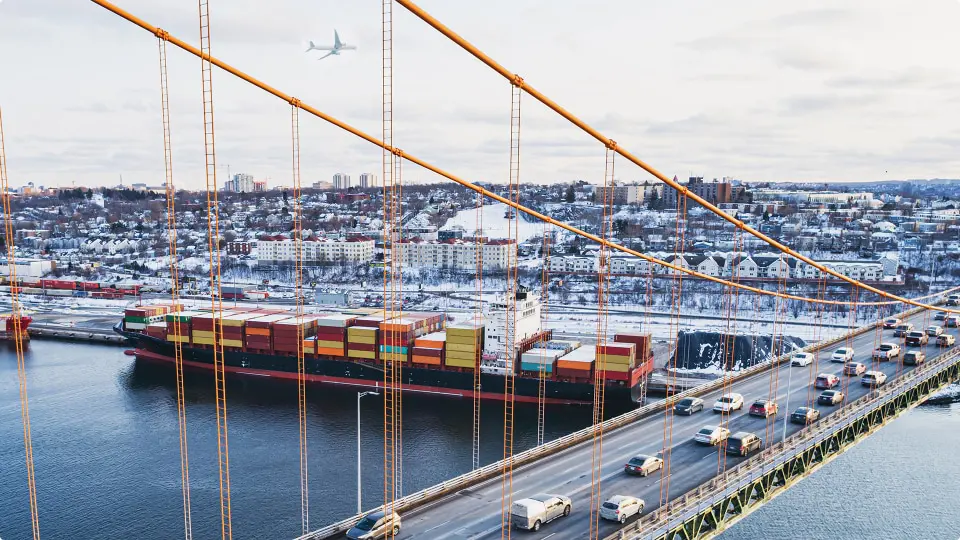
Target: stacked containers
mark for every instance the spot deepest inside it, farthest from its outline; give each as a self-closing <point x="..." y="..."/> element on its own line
<point x="139" y="317"/>
<point x="258" y="332"/>
<point x="616" y="359"/>
<point x="642" y="341"/>
<point x="332" y="334"/>
<point x="428" y="349"/>
<point x="288" y="332"/>
<point x="178" y="325"/>
<point x="464" y="345"/>
<point x="577" y="364"/>
<point x="203" y="327"/>
<point x="157" y="330"/>
<point x="540" y="358"/>
<point x="233" y="328"/>
<point x="396" y="338"/>
<point x="362" y="342"/>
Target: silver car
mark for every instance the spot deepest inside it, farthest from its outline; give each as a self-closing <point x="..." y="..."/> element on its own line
<point x="375" y="525"/>
<point x="621" y="508"/>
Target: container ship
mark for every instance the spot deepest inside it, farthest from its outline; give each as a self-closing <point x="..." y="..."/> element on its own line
<point x="437" y="356"/>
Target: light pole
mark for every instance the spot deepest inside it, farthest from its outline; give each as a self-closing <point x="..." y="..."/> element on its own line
<point x="360" y="395"/>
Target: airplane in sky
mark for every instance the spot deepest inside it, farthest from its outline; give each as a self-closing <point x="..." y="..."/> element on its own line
<point x="337" y="47"/>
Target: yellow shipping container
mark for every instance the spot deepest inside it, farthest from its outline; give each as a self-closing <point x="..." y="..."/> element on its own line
<point x="309" y="346"/>
<point x="620" y="368"/>
<point x="202" y="341"/>
<point x="368" y="340"/>
<point x="615" y="359"/>
<point x="456" y="362"/>
<point x="232" y="343"/>
<point x="202" y="334"/>
<point x="463" y="355"/>
<point x="393" y="357"/>
<point x="328" y="344"/>
<point x="361" y="354"/>
<point x="469" y="347"/>
<point x="181" y="339"/>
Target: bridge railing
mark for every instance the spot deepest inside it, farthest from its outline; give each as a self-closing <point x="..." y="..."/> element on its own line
<point x="526" y="457"/>
<point x="691" y="503"/>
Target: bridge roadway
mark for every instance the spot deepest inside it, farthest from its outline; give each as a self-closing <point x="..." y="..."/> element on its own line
<point x="474" y="513"/>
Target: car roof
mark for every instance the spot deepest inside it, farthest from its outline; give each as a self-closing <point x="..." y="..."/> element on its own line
<point x="378" y="514"/>
<point x="874" y="373"/>
<point x="741" y="434"/>
<point x="642" y="456"/>
<point x="825" y="375"/>
<point x="616" y="499"/>
<point x="828" y="392"/>
<point x="802" y="409"/>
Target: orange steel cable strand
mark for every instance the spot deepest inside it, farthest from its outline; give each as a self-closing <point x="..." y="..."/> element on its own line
<point x="893" y="299"/>
<point x="477" y="319"/>
<point x="510" y="332"/>
<point x="298" y="290"/>
<point x="677" y="306"/>
<point x="398" y="365"/>
<point x="175" y="288"/>
<point x="545" y="294"/>
<point x="851" y="324"/>
<point x="216" y="298"/>
<point x="776" y="350"/>
<point x="600" y="369"/>
<point x="18" y="338"/>
<point x="390" y="266"/>
<point x="646" y="329"/>
<point x="817" y="336"/>
<point x="479" y="55"/>
<point x="732" y="299"/>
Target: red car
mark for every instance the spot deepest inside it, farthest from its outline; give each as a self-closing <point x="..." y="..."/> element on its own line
<point x="827" y="380"/>
<point x="764" y="408"/>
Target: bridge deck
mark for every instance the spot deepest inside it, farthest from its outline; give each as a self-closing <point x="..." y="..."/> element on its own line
<point x="475" y="513"/>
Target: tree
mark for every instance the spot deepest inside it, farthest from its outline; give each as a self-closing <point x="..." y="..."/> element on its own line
<point x="655" y="202"/>
<point x="766" y="215"/>
<point x="570" y="196"/>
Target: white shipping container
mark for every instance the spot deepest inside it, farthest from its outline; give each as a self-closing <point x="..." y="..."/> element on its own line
<point x="135" y="326"/>
<point x="338" y="320"/>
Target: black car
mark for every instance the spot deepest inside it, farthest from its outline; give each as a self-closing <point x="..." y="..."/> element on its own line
<point x="688" y="406"/>
<point x="805" y="415"/>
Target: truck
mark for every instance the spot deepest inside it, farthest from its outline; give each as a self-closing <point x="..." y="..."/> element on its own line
<point x="534" y="511"/>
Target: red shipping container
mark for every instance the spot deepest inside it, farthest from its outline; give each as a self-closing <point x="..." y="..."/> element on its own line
<point x="583" y="374"/>
<point x="616" y="350"/>
<point x="370" y="322"/>
<point x="362" y="346"/>
<point x="617" y="376"/>
<point x="423" y="351"/>
<point x="642" y="341"/>
<point x="331" y="331"/>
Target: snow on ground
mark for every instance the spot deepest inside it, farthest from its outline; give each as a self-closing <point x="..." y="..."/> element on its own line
<point x="948" y="394"/>
<point x="494" y="223"/>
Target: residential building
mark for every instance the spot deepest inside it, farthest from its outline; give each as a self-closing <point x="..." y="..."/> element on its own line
<point x="341" y="181"/>
<point x="627" y="194"/>
<point x="238" y="247"/>
<point x="716" y="192"/>
<point x="239" y="183"/>
<point x="282" y="250"/>
<point x="369" y="180"/>
<point x="28" y="268"/>
<point x="456" y="254"/>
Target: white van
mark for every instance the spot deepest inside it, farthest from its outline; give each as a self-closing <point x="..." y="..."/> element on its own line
<point x="532" y="512"/>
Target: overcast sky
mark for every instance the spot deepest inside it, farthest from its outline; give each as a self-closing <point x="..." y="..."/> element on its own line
<point x="759" y="90"/>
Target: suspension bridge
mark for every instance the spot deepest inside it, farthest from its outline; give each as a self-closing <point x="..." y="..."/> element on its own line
<point x="698" y="491"/>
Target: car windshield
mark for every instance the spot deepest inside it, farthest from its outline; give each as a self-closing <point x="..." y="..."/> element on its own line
<point x="886" y="347"/>
<point x="706" y="431"/>
<point x="828" y="393"/>
<point x="611" y="506"/>
<point x="911" y="355"/>
<point x="726" y="399"/>
<point x="915" y="334"/>
<point x="841" y="351"/>
<point x="802" y="410"/>
<point x="366" y="524"/>
<point x="759" y="403"/>
<point x="685" y="402"/>
<point x="639" y="460"/>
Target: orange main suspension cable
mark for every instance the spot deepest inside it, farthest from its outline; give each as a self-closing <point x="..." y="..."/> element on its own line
<point x="600" y="369"/>
<point x="175" y="289"/>
<point x="298" y="290"/>
<point x="18" y="335"/>
<point x="893" y="299"/>
<point x="213" y="244"/>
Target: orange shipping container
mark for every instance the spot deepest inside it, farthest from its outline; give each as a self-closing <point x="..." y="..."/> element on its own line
<point x="258" y="331"/>
<point x="431" y="360"/>
<point x="329" y="351"/>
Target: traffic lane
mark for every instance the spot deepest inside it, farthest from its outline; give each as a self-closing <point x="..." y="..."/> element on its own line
<point x="541" y="480"/>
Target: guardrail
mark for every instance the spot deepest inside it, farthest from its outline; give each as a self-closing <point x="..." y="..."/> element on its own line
<point x="487" y="472"/>
<point x="661" y="524"/>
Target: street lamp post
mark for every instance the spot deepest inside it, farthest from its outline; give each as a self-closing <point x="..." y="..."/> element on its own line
<point x="360" y="395"/>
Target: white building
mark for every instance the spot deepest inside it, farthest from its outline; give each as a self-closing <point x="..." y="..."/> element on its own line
<point x="341" y="181"/>
<point x="240" y="183"/>
<point x="456" y="254"/>
<point x="369" y="180"/>
<point x="282" y="250"/>
<point x="28" y="268"/>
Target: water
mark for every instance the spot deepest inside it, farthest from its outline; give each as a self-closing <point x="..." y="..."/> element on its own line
<point x="107" y="462"/>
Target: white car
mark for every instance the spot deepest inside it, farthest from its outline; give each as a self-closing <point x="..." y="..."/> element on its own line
<point x="711" y="435"/>
<point x="802" y="359"/>
<point x="874" y="378"/>
<point x="842" y="355"/>
<point x="728" y="403"/>
<point x="621" y="508"/>
<point x="886" y="351"/>
<point x="934" y="331"/>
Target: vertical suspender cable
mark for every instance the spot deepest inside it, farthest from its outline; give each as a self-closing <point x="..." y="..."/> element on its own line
<point x="510" y="330"/>
<point x="600" y="367"/>
<point x="732" y="308"/>
<point x="216" y="299"/>
<point x="478" y="320"/>
<point x="298" y="291"/>
<point x="545" y="295"/>
<point x="171" y="193"/>
<point x="388" y="337"/>
<point x="18" y="334"/>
